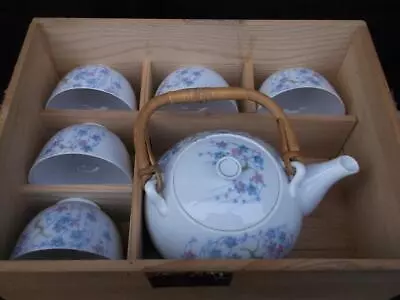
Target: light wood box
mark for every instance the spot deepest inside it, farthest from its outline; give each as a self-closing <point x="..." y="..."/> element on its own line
<point x="349" y="247"/>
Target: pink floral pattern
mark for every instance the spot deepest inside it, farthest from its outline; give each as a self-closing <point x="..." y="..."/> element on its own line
<point x="249" y="185"/>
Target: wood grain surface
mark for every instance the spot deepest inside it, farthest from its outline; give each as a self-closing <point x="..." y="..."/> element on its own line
<point x="319" y="44"/>
<point x="375" y="193"/>
<point x="21" y="129"/>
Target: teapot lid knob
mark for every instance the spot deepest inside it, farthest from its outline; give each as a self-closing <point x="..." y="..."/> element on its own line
<point x="228" y="167"/>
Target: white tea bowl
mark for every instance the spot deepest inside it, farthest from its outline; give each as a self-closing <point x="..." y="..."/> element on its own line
<point x="195" y="77"/>
<point x="93" y="87"/>
<point x="302" y="91"/>
<point x="73" y="228"/>
<point x="85" y="153"/>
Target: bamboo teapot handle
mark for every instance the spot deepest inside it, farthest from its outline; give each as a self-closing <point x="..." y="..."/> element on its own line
<point x="145" y="158"/>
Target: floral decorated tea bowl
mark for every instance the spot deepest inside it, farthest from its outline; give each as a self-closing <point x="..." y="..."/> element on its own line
<point x="82" y="154"/>
<point x="195" y="77"/>
<point x="302" y="91"/>
<point x="73" y="228"/>
<point x="93" y="87"/>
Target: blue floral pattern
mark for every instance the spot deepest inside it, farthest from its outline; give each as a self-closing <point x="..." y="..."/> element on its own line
<point x="272" y="243"/>
<point x="248" y="186"/>
<point x="182" y="78"/>
<point x="84" y="138"/>
<point x="70" y="225"/>
<point x="295" y="78"/>
<point x="98" y="77"/>
<point x="166" y="157"/>
<point x="190" y="77"/>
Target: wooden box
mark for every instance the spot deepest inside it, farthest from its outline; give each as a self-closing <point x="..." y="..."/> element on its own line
<point x="349" y="247"/>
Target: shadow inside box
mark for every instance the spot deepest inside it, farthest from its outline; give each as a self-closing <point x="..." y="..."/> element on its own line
<point x="189" y="279"/>
<point x="149" y="251"/>
<point x="180" y="279"/>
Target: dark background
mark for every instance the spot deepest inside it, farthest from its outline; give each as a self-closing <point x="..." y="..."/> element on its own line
<point x="381" y="16"/>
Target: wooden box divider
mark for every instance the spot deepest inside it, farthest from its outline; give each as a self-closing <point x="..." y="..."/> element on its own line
<point x="136" y="220"/>
<point x="248" y="83"/>
<point x="21" y="129"/>
<point x="378" y="132"/>
<point x="135" y="250"/>
<point x="146" y="90"/>
<point x="114" y="199"/>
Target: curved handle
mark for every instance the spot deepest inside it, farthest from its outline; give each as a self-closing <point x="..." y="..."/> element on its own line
<point x="145" y="158"/>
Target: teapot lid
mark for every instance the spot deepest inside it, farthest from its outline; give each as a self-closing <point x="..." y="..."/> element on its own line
<point x="226" y="181"/>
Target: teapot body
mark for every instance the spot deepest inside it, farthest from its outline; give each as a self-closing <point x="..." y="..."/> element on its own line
<point x="200" y="215"/>
<point x="177" y="236"/>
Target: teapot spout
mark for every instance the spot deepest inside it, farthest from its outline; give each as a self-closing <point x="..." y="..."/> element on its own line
<point x="320" y="177"/>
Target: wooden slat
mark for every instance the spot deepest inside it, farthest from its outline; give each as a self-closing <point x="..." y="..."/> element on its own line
<point x="319" y="285"/>
<point x="33" y="78"/>
<point x="136" y="231"/>
<point x="108" y="280"/>
<point x="146" y="91"/>
<point x="297" y="265"/>
<point x="319" y="137"/>
<point x="135" y="236"/>
<point x="118" y="121"/>
<point x="248" y="83"/>
<point x="374" y="193"/>
<point x="318" y="44"/>
<point x="282" y="286"/>
<point x="121" y="280"/>
<point x="114" y="199"/>
<point x="124" y="230"/>
<point x="277" y="286"/>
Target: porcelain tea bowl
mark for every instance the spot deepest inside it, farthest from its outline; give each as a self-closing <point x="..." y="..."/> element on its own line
<point x="85" y="153"/>
<point x="93" y="87"/>
<point x="302" y="91"/>
<point x="73" y="228"/>
<point x="196" y="77"/>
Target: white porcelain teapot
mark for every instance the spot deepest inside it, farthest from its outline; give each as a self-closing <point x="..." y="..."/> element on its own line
<point x="224" y="194"/>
